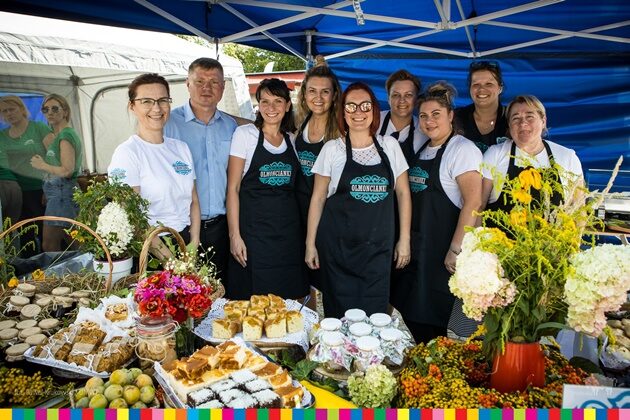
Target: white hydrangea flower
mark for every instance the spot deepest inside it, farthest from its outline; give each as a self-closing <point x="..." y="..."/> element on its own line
<point x="114" y="227"/>
<point x="598" y="284"/>
<point x="479" y="279"/>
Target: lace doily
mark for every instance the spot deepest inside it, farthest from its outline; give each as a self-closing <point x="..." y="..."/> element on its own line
<point x="204" y="329"/>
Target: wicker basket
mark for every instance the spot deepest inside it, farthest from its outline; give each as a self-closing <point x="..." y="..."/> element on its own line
<point x="146" y="247"/>
<point x="108" y="281"/>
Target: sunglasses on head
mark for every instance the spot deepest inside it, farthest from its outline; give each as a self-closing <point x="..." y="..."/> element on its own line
<point x="53" y="109"/>
<point x="484" y="65"/>
<point x="351" y="107"/>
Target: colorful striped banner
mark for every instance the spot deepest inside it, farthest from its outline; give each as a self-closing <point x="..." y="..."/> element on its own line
<point x="314" y="414"/>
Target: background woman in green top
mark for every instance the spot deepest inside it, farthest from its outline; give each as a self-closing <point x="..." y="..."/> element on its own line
<point x="21" y="141"/>
<point x="61" y="166"/>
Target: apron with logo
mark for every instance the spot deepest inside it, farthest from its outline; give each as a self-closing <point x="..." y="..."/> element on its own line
<point x="307" y="155"/>
<point x="270" y="228"/>
<point x="514" y="171"/>
<point x="355" y="238"/>
<point x="421" y="292"/>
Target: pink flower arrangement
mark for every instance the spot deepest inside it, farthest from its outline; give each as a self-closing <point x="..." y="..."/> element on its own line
<point x="179" y="295"/>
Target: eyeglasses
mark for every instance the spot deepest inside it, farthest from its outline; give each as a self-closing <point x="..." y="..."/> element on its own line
<point x="53" y="109"/>
<point x="484" y="65"/>
<point x="351" y="107"/>
<point x="149" y="102"/>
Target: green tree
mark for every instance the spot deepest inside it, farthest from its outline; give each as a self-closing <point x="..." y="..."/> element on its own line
<point x="255" y="59"/>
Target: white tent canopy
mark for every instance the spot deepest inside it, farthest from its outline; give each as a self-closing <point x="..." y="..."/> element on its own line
<point x="91" y="65"/>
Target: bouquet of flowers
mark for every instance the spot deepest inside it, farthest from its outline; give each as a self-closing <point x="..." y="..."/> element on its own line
<point x="117" y="213"/>
<point x="182" y="290"/>
<point x="513" y="275"/>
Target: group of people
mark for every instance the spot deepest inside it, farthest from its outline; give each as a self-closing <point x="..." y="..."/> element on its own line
<point x="39" y="165"/>
<point x="369" y="207"/>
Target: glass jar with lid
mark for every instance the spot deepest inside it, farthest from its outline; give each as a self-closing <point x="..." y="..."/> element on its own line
<point x="156" y="340"/>
<point x="368" y="352"/>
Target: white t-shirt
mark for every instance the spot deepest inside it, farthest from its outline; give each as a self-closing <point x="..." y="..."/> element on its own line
<point x="498" y="156"/>
<point x="165" y="174"/>
<point x="332" y="159"/>
<point x="460" y="156"/>
<point x="305" y="135"/>
<point x="245" y="140"/>
<point x="390" y="127"/>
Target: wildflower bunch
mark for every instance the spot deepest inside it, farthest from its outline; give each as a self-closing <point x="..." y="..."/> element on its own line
<point x="512" y="271"/>
<point x="113" y="226"/>
<point x="445" y="373"/>
<point x="597" y="284"/>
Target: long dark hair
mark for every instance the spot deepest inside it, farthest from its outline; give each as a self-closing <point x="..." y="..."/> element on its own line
<point x="280" y="89"/>
<point x="323" y="71"/>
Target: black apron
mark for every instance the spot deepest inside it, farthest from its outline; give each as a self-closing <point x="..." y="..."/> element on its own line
<point x="307" y="155"/>
<point x="514" y="171"/>
<point x="355" y="238"/>
<point x="270" y="227"/>
<point x="407" y="144"/>
<point x="421" y="293"/>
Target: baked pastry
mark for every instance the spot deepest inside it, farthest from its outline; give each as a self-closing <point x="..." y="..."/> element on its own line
<point x="295" y="321"/>
<point x="257" y="385"/>
<point x="234" y="313"/>
<point x="212" y="404"/>
<point x="224" y="328"/>
<point x="291" y="396"/>
<point x="243" y="376"/>
<point x="223" y="385"/>
<point x="267" y="399"/>
<point x="192" y="368"/>
<point x="257" y="312"/>
<point x="215" y="375"/>
<point x="233" y="358"/>
<point x="209" y="354"/>
<point x="252" y="328"/>
<point x="116" y="312"/>
<point x="199" y="397"/>
<point x="280" y="380"/>
<point x="230" y="394"/>
<point x="276" y="302"/>
<point x="244" y="401"/>
<point x="268" y="370"/>
<point x="254" y="362"/>
<point x="259" y="301"/>
<point x="241" y="305"/>
<point x="276" y="327"/>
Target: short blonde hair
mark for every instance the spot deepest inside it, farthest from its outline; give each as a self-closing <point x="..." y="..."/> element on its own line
<point x="17" y="101"/>
<point x="529" y="100"/>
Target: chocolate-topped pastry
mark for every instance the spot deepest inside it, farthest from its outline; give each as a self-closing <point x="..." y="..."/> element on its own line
<point x="193" y="368"/>
<point x="257" y="385"/>
<point x="241" y="377"/>
<point x="230" y="394"/>
<point x="211" y="404"/>
<point x="223" y="385"/>
<point x="200" y="396"/>
<point x="245" y="401"/>
<point x="267" y="399"/>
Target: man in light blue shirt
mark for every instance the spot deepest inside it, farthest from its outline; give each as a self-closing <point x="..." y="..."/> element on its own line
<point x="208" y="133"/>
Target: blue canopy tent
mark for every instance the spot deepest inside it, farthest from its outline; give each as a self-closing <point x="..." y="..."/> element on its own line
<point x="572" y="54"/>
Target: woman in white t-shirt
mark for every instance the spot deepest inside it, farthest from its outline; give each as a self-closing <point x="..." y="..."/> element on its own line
<point x="351" y="217"/>
<point x="262" y="211"/>
<point x="446" y="191"/>
<point x="159" y="168"/>
<point x="527" y="122"/>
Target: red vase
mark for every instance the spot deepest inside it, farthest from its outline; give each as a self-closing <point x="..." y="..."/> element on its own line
<point x="521" y="365"/>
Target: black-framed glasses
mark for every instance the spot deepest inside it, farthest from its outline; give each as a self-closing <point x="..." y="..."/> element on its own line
<point x="351" y="107"/>
<point x="149" y="102"/>
<point x="53" y="109"/>
<point x="484" y="65"/>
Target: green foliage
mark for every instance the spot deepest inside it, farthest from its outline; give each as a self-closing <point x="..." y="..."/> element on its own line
<point x="99" y="193"/>
<point x="9" y="249"/>
<point x="255" y="59"/>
